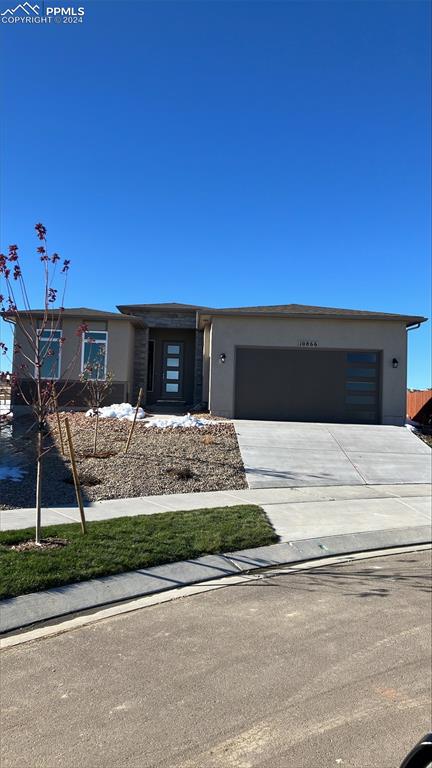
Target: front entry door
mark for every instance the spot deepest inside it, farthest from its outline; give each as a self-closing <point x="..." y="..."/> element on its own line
<point x="172" y="370"/>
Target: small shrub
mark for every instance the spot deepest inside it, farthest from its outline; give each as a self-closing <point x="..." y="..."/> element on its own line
<point x="99" y="454"/>
<point x="184" y="473"/>
<point x="86" y="480"/>
<point x="208" y="440"/>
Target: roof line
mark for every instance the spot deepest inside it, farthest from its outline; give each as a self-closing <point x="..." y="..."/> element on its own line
<point x="377" y="316"/>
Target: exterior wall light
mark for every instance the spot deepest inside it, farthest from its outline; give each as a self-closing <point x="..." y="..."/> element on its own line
<point x="222" y="357"/>
<point x="395" y="362"/>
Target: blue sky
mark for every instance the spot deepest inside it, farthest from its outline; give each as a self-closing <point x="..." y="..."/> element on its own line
<point x="225" y="153"/>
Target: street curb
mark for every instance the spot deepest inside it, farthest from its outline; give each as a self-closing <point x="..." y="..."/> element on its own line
<point x="26" y="610"/>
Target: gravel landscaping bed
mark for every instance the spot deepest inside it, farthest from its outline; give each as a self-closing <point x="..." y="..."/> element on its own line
<point x="426" y="438"/>
<point x="158" y="461"/>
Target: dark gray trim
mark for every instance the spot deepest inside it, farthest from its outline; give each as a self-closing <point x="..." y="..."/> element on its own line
<point x="150" y="365"/>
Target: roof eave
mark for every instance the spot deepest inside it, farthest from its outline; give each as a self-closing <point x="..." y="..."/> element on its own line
<point x="125" y="308"/>
<point x="138" y="321"/>
<point x="204" y="317"/>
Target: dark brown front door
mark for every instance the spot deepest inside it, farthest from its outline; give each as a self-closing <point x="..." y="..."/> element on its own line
<point x="172" y="370"/>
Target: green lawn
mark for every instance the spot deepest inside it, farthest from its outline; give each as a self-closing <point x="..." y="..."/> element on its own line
<point x="127" y="543"/>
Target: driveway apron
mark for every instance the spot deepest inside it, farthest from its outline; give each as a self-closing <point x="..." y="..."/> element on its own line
<point x="292" y="454"/>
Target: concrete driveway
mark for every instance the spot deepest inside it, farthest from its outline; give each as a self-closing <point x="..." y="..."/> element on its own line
<point x="282" y="454"/>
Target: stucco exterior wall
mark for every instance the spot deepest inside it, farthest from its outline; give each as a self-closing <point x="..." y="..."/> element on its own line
<point x="119" y="359"/>
<point x="389" y="337"/>
<point x="120" y="352"/>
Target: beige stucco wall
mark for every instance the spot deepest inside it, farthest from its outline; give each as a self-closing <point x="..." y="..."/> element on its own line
<point x="389" y="337"/>
<point x="72" y="347"/>
<point x="120" y="348"/>
<point x="120" y="352"/>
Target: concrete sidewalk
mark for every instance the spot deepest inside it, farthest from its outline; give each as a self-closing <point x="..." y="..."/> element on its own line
<point x="311" y="523"/>
<point x="295" y="513"/>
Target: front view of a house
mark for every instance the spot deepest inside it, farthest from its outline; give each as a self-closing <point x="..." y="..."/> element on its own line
<point x="285" y="362"/>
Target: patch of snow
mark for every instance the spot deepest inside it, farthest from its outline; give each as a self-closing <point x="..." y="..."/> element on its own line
<point x="5" y="408"/>
<point x="413" y="426"/>
<point x="180" y="422"/>
<point x="118" y="411"/>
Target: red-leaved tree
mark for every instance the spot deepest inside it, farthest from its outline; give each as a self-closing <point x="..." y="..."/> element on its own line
<point x="36" y="379"/>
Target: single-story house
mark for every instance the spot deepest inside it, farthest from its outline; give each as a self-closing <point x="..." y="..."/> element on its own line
<point x="287" y="362"/>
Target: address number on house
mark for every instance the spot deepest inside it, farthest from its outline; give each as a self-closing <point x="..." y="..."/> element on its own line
<point x="308" y="343"/>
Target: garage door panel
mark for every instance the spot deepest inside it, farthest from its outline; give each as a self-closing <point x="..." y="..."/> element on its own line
<point x="306" y="385"/>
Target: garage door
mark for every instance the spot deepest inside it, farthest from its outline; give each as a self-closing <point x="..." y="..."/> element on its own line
<point x="307" y="385"/>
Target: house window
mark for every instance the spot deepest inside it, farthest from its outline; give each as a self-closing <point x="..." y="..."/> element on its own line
<point x="150" y="366"/>
<point x="94" y="354"/>
<point x="49" y="354"/>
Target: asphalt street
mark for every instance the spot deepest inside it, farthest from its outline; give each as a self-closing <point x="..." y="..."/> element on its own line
<point x="314" y="669"/>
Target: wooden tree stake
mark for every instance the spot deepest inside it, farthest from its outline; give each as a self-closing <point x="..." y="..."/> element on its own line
<point x="75" y="475"/>
<point x="39" y="486"/>
<point x="140" y="394"/>
<point x="59" y="425"/>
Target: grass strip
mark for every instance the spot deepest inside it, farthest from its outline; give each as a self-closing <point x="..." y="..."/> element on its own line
<point x="127" y="543"/>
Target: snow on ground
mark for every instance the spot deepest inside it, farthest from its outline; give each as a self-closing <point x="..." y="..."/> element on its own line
<point x="180" y="421"/>
<point x="118" y="411"/>
<point x="6" y="414"/>
<point x="127" y="411"/>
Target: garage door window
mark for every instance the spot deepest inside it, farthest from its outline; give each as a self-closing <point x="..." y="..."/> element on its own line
<point x="365" y="372"/>
<point x="361" y="386"/>
<point x="361" y="357"/>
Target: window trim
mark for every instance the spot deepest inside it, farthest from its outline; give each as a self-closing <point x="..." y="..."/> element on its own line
<point x="54" y="334"/>
<point x="105" y="342"/>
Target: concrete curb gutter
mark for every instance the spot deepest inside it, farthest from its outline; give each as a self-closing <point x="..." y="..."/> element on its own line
<point x="26" y="610"/>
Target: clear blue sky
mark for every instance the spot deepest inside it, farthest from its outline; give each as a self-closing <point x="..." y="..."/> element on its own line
<point x="226" y="153"/>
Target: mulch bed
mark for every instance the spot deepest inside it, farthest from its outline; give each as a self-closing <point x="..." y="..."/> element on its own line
<point x="158" y="461"/>
<point x="30" y="545"/>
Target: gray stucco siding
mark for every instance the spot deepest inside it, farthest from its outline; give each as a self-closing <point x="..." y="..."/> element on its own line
<point x="388" y="337"/>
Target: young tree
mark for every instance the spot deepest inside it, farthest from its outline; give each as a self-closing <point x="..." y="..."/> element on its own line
<point x="98" y="385"/>
<point x="36" y="359"/>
